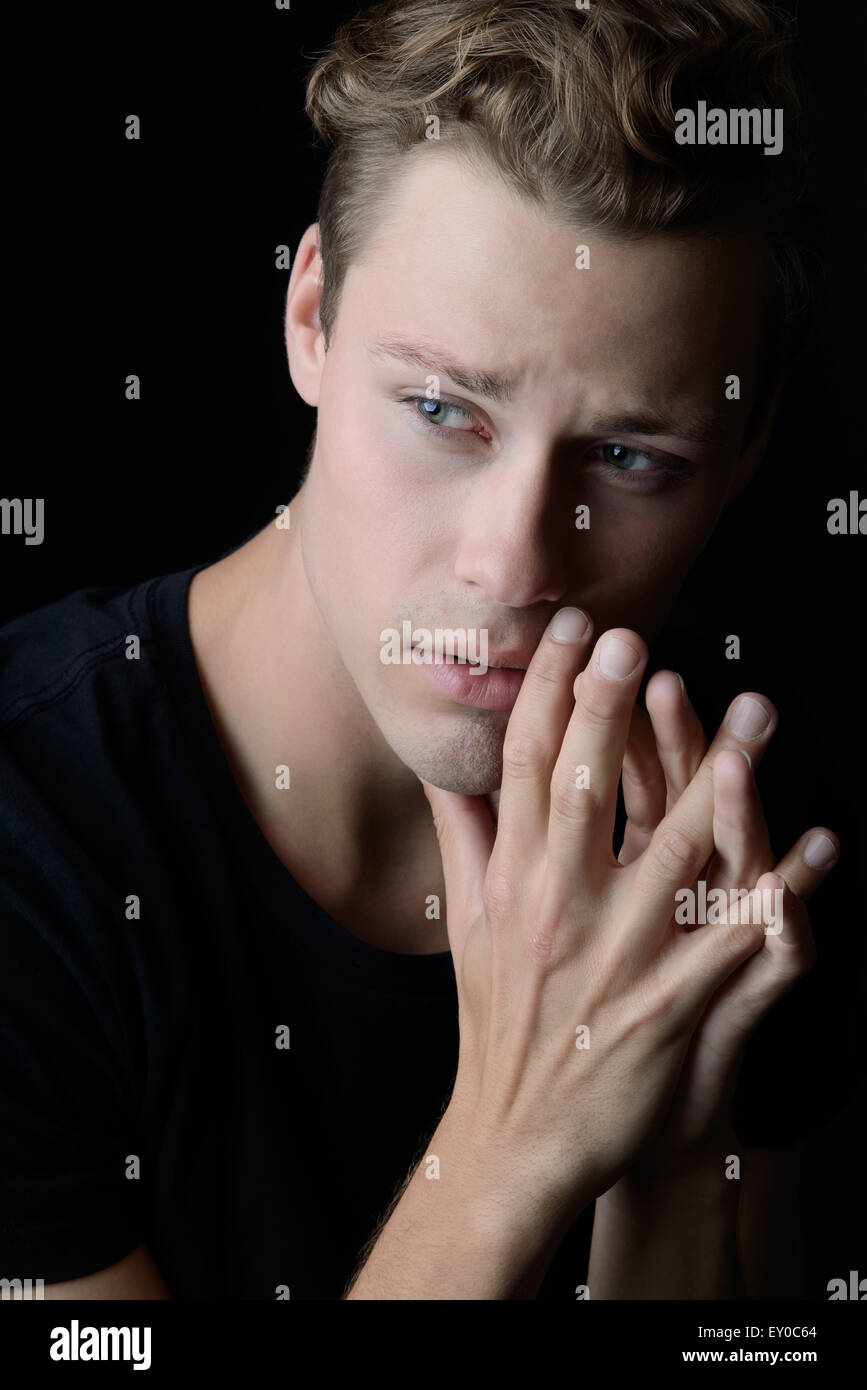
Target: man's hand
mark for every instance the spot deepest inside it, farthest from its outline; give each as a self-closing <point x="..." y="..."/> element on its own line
<point x="662" y="756"/>
<point x="578" y="993"/>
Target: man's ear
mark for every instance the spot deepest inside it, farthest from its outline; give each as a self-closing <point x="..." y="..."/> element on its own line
<point x="305" y="342"/>
<point x="754" y="446"/>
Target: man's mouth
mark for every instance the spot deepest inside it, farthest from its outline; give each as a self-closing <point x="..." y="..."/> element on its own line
<point x="464" y="680"/>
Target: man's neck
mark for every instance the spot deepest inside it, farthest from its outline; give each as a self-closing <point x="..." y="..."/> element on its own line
<point x="352" y="826"/>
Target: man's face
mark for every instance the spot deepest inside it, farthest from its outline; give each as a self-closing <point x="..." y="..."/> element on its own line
<point x="617" y="403"/>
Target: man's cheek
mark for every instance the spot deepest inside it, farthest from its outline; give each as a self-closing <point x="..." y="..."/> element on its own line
<point x="638" y="591"/>
<point x="662" y="553"/>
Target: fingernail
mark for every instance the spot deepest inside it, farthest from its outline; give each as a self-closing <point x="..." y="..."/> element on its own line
<point x="820" y="852"/>
<point x="569" y="625"/>
<point x="748" y="718"/>
<point x="686" y="703"/>
<point x="616" y="658"/>
<point x="747" y="756"/>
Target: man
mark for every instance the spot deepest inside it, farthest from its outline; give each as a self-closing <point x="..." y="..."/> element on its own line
<point x="545" y="341"/>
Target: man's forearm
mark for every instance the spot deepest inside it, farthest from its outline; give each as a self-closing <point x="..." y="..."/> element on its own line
<point x="679" y="1241"/>
<point x="464" y="1234"/>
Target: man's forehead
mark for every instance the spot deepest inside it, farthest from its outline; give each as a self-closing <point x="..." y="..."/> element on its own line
<point x="494" y="329"/>
<point x="450" y="209"/>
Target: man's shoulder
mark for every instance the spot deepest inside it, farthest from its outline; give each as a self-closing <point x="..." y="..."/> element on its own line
<point x="70" y="656"/>
<point x="86" y="702"/>
<point x="46" y="654"/>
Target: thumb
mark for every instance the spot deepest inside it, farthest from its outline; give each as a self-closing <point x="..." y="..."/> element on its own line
<point x="465" y="832"/>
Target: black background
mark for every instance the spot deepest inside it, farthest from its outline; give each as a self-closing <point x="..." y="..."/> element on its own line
<point x="157" y="257"/>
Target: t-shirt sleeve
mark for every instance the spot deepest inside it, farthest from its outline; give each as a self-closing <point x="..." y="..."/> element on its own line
<point x="69" y="1194"/>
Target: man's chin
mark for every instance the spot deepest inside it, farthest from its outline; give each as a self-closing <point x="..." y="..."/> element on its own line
<point x="462" y="753"/>
<point x="470" y="766"/>
<point x="463" y="783"/>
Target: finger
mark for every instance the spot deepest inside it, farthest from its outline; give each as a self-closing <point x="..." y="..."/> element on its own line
<point x="587" y="772"/>
<point x="786" y="953"/>
<point x="705" y="961"/>
<point x="465" y="833"/>
<point x="788" y="950"/>
<point x="644" y="787"/>
<point x="535" y="732"/>
<point x="680" y="738"/>
<point x="740" y="832"/>
<point x="788" y="937"/>
<point x="683" y="841"/>
<point x="809" y="861"/>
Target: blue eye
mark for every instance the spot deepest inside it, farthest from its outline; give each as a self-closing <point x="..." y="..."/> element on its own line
<point x="617" y="455"/>
<point x="433" y="411"/>
<point x="459" y="428"/>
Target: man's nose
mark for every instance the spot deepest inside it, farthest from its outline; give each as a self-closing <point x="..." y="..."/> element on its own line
<point x="515" y="535"/>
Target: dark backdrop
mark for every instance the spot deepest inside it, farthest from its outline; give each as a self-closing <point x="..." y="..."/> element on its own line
<point x="157" y="257"/>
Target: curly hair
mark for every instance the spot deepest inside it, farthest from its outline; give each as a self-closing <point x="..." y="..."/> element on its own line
<point x="575" y="108"/>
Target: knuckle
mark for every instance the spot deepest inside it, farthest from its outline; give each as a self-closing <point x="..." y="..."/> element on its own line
<point x="596" y="711"/>
<point x="743" y="935"/>
<point x="674" y="852"/>
<point x="571" y="805"/>
<point x="547" y="943"/>
<point x="523" y="755"/>
<point x="645" y="803"/>
<point x="639" y="774"/>
<point x="547" y="678"/>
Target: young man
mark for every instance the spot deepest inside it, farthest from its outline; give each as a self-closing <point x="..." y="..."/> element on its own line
<point x="248" y="973"/>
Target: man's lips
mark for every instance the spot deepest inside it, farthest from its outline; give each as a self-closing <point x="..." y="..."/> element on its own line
<point x="494" y="688"/>
<point x="490" y="682"/>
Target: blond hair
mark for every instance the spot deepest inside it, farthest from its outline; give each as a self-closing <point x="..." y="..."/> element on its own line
<point x="576" y="110"/>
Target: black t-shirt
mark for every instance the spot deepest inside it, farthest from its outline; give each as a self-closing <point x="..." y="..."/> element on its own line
<point x="155" y="952"/>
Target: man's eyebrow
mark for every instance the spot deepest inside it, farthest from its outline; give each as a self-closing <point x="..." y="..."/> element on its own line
<point x="699" y="429"/>
<point x="491" y="385"/>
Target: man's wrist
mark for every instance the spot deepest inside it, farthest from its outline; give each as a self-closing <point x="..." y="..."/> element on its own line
<point x="511" y="1208"/>
<point x="463" y="1227"/>
<point x="672" y="1236"/>
<point x="707" y="1180"/>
